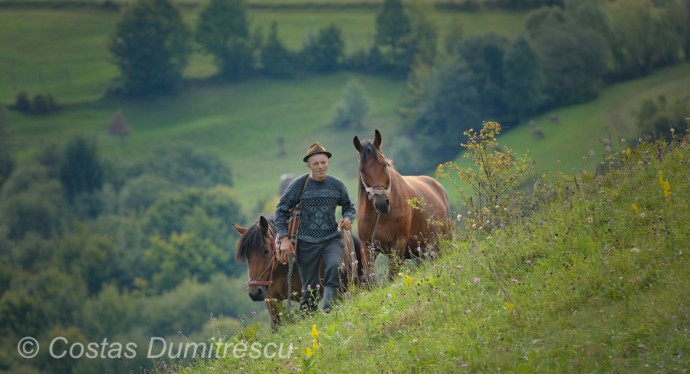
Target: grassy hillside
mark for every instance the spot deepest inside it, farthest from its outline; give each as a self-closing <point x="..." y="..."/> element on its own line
<point x="66" y="52"/>
<point x="596" y="280"/>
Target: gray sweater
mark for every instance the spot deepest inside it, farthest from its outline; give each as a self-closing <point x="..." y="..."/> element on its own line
<point x="320" y="199"/>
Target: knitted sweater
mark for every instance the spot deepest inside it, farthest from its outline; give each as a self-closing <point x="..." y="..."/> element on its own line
<point x="319" y="202"/>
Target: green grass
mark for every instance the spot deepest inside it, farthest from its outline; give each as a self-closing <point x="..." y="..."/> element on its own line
<point x="64" y="51"/>
<point x="586" y="284"/>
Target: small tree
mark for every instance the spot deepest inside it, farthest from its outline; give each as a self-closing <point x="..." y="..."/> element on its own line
<point x="80" y="169"/>
<point x="392" y="26"/>
<point x="223" y="31"/>
<point x="324" y="52"/>
<point x="491" y="180"/>
<point x="150" y="46"/>
<point x="352" y="108"/>
<point x="523" y="79"/>
<point x="277" y="61"/>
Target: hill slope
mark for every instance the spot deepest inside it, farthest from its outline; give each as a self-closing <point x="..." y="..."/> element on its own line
<point x="597" y="279"/>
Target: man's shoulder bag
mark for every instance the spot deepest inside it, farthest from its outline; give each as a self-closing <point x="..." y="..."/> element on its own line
<point x="293" y="221"/>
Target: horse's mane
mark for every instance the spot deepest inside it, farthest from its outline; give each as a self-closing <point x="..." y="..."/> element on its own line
<point x="370" y="150"/>
<point x="252" y="239"/>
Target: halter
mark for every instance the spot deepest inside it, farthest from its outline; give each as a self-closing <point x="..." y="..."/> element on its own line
<point x="271" y="266"/>
<point x="378" y="189"/>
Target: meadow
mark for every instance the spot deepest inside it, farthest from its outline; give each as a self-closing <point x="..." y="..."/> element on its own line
<point x="595" y="280"/>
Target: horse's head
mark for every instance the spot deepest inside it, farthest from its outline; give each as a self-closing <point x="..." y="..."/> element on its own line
<point x="375" y="178"/>
<point x="257" y="247"/>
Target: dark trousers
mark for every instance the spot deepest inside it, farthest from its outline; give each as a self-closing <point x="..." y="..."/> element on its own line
<point x="309" y="256"/>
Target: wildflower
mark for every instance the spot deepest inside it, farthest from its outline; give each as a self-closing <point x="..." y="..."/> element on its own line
<point x="475" y="280"/>
<point x="314" y="332"/>
<point x="408" y="280"/>
<point x="458" y="267"/>
<point x="514" y="281"/>
<point x="665" y="186"/>
<point x="627" y="152"/>
<point x="315" y="345"/>
<point x="634" y="208"/>
<point x="309" y="353"/>
<point x="349" y="325"/>
<point x="528" y="262"/>
<point x="642" y="215"/>
<point x="509" y="306"/>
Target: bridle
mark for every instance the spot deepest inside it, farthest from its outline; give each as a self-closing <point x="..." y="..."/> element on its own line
<point x="271" y="266"/>
<point x="378" y="189"/>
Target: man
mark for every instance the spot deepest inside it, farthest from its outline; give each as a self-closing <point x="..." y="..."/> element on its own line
<point x="318" y="236"/>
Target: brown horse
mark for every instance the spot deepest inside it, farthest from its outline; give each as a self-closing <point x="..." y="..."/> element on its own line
<point x="398" y="213"/>
<point x="268" y="278"/>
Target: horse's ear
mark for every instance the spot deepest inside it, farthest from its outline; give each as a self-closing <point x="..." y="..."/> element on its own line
<point x="240" y="229"/>
<point x="264" y="224"/>
<point x="357" y="143"/>
<point x="377" y="139"/>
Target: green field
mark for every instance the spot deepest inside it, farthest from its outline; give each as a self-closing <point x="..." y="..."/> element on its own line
<point x="65" y="53"/>
<point x="242" y="122"/>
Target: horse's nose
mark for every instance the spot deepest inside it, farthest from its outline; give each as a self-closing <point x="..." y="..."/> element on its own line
<point x="257" y="294"/>
<point x="383" y="206"/>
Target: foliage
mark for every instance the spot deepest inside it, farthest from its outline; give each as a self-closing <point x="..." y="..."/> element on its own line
<point x="488" y="188"/>
<point x="40" y="104"/>
<point x="324" y="52"/>
<point x="6" y="158"/>
<point x="661" y="118"/>
<point x="276" y="59"/>
<point x="524" y="80"/>
<point x="223" y="31"/>
<point x="38" y="209"/>
<point x="352" y="108"/>
<point x="648" y="34"/>
<point x="528" y="4"/>
<point x="81" y="171"/>
<point x="574" y="62"/>
<point x="184" y="165"/>
<point x="150" y="46"/>
<point x="392" y="26"/>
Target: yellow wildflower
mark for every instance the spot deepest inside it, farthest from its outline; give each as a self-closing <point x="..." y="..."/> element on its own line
<point x="627" y="152"/>
<point x="315" y="345"/>
<point x="309" y="352"/>
<point x="509" y="306"/>
<point x="408" y="279"/>
<point x="665" y="186"/>
<point x="634" y="208"/>
<point x="314" y="332"/>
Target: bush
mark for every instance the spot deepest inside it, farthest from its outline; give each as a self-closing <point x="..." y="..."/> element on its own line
<point x="40" y="104"/>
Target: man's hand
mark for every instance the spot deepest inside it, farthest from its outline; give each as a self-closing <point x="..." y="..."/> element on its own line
<point x="345" y="224"/>
<point x="285" y="249"/>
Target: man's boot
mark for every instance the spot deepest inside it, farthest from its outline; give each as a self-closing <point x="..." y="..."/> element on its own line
<point x="330" y="294"/>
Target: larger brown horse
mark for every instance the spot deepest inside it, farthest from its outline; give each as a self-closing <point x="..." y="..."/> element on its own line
<point x="268" y="278"/>
<point x="396" y="213"/>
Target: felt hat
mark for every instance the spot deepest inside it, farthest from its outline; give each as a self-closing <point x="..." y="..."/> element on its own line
<point x="315" y="149"/>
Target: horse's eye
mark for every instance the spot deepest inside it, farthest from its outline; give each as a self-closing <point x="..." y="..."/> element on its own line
<point x="266" y="252"/>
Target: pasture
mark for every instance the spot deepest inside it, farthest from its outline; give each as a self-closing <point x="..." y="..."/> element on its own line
<point x="65" y="55"/>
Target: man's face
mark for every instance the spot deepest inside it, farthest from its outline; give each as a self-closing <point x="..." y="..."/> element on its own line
<point x="318" y="164"/>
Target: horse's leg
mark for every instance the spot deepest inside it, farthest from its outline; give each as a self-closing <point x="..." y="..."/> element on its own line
<point x="273" y="313"/>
